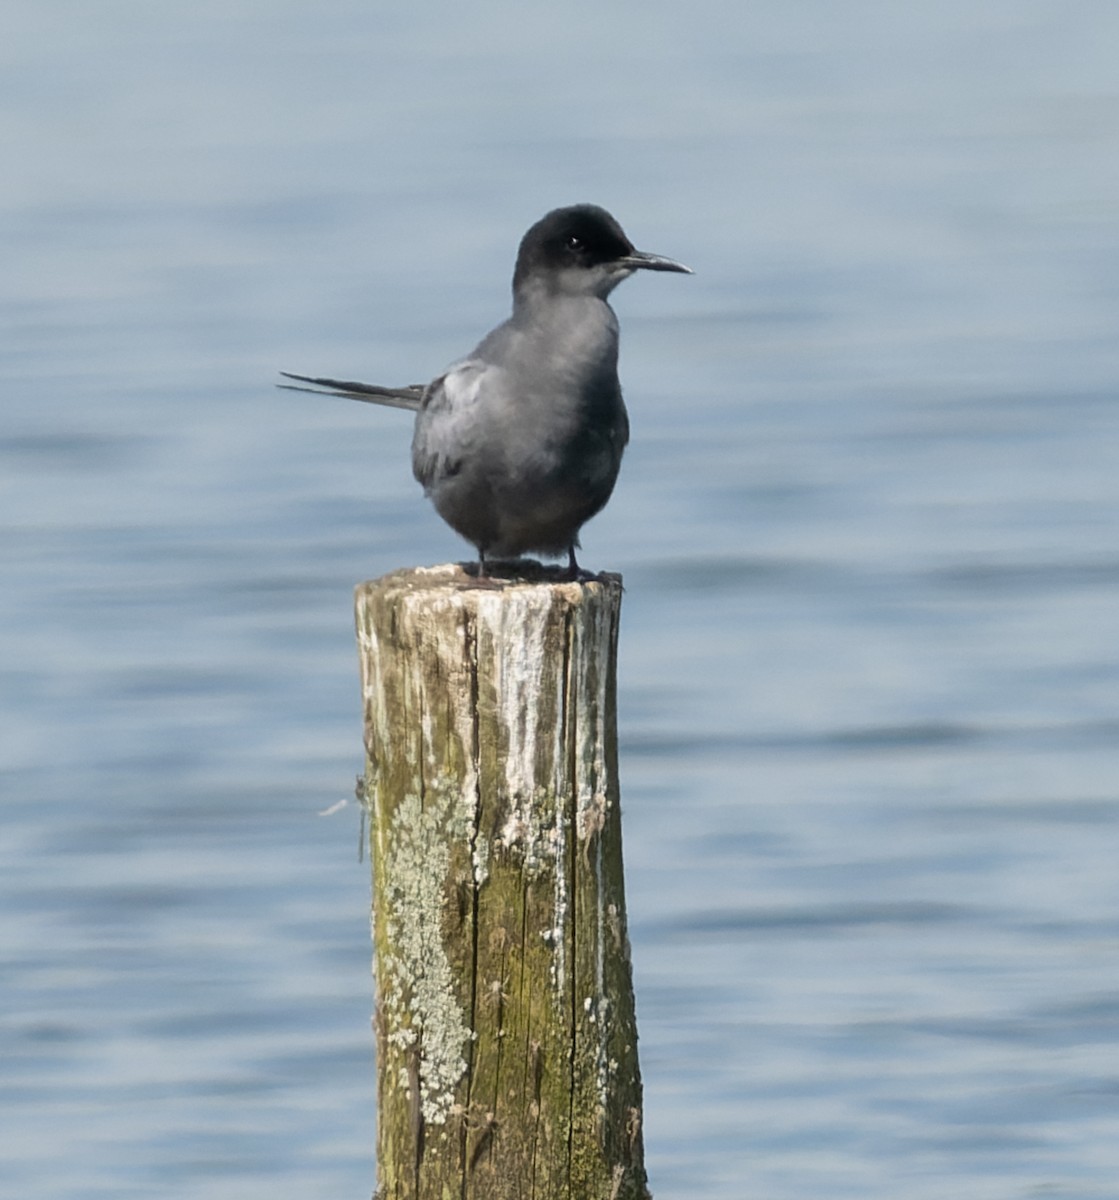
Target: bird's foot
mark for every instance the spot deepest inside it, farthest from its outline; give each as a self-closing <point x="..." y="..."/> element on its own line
<point x="495" y="573"/>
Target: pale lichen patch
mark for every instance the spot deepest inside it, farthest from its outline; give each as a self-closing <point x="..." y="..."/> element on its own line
<point x="416" y="976"/>
<point x="480" y="859"/>
<point x="590" y="814"/>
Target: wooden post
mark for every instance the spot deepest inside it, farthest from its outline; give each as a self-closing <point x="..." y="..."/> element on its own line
<point x="506" y="1039"/>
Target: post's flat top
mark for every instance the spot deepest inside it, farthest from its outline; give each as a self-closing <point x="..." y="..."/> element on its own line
<point x="460" y="577"/>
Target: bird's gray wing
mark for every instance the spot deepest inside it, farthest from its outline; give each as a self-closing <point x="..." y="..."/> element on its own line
<point x="447" y="428"/>
<point x="370" y="393"/>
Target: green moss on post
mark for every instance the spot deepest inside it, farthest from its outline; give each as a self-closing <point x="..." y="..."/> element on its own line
<point x="506" y="1040"/>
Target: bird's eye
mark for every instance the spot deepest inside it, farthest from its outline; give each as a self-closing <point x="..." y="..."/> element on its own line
<point x="575" y="243"/>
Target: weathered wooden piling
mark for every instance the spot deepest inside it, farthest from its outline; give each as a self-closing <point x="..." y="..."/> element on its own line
<point x="506" y="1039"/>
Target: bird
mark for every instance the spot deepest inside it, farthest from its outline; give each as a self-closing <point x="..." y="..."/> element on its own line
<point x="520" y="443"/>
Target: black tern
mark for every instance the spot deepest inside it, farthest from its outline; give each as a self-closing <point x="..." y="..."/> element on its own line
<point x="519" y="444"/>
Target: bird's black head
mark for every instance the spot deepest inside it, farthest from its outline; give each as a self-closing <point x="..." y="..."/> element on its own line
<point x="580" y="250"/>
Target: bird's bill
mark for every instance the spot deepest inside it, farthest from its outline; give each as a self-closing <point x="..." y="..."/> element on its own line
<point x="639" y="260"/>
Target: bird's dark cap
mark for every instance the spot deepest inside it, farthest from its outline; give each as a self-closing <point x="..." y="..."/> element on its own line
<point x="582" y="235"/>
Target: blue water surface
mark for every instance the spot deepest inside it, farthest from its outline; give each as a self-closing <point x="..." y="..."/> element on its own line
<point x="868" y="526"/>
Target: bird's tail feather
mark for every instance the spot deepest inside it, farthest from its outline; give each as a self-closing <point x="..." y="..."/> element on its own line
<point x="370" y="393"/>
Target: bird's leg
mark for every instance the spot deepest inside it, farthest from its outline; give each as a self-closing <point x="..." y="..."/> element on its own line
<point x="575" y="573"/>
<point x="481" y="574"/>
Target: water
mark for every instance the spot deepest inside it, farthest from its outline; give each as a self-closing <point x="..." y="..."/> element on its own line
<point x="867" y="525"/>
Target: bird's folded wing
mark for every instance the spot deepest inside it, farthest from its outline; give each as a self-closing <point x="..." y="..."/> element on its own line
<point x="447" y="427"/>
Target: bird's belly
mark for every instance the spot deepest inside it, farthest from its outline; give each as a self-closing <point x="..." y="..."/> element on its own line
<point x="532" y="503"/>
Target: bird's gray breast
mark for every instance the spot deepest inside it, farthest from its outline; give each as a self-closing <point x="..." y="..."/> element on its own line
<point x="521" y="443"/>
